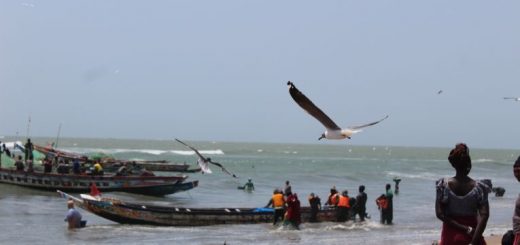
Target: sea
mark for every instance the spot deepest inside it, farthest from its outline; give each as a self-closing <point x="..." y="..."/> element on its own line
<point x="37" y="217"/>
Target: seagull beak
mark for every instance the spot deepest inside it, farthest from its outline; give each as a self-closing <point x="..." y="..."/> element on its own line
<point x="321" y="137"/>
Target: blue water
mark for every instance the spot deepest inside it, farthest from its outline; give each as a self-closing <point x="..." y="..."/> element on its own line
<point x="28" y="216"/>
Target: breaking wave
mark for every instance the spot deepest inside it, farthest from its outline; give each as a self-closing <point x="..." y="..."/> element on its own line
<point x="205" y="152"/>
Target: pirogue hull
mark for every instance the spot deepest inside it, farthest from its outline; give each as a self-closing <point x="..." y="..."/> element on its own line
<point x="138" y="213"/>
<point x="147" y="185"/>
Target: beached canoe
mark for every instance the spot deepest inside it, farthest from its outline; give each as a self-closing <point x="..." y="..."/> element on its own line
<point x="147" y="185"/>
<point x="138" y="213"/>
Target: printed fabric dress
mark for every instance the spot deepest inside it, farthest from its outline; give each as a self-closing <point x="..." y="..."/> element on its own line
<point x="462" y="209"/>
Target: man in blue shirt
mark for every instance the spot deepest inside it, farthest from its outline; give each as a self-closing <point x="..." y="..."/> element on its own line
<point x="73" y="216"/>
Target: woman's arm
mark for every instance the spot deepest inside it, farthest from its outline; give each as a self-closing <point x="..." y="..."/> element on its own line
<point x="439" y="211"/>
<point x="482" y="223"/>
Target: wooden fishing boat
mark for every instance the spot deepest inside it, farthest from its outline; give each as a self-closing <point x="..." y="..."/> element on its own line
<point x="147" y="185"/>
<point x="111" y="165"/>
<point x="166" y="167"/>
<point x="155" y="166"/>
<point x="138" y="213"/>
<point x="52" y="152"/>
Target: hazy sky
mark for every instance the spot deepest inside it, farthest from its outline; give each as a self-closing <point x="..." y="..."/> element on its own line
<point x="217" y="70"/>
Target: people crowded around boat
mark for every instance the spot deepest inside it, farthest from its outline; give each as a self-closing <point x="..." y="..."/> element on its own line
<point x="30" y="166"/>
<point x="292" y="214"/>
<point x="73" y="217"/>
<point x="343" y="207"/>
<point x="19" y="164"/>
<point x="315" y="203"/>
<point x="382" y="204"/>
<point x="277" y="202"/>
<point x="332" y="200"/>
<point x="47" y="165"/>
<point x="6" y="151"/>
<point x="29" y="150"/>
<point x="387" y="206"/>
<point x="462" y="203"/>
<point x="63" y="167"/>
<point x="288" y="189"/>
<point x="360" y="208"/>
<point x="76" y="167"/>
<point x="98" y="169"/>
<point x="123" y="170"/>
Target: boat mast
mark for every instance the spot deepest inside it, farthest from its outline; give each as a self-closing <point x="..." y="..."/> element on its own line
<point x="28" y="128"/>
<point x="57" y="137"/>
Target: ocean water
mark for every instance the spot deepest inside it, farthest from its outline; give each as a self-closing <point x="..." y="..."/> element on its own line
<point x="32" y="216"/>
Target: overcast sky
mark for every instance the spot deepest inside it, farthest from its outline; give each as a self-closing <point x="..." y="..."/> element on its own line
<point x="217" y="70"/>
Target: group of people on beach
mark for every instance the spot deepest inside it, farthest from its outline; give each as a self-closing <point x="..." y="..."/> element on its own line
<point x="348" y="208"/>
<point x="461" y="203"/>
<point x="286" y="205"/>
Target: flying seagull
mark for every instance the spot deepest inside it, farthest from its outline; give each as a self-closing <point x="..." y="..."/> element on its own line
<point x="439" y="92"/>
<point x="203" y="162"/>
<point x="332" y="131"/>
<point x="512" y="98"/>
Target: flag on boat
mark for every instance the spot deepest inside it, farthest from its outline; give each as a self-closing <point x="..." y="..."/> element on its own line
<point x="94" y="190"/>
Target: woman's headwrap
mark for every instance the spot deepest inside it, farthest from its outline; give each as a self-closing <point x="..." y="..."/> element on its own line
<point x="459" y="155"/>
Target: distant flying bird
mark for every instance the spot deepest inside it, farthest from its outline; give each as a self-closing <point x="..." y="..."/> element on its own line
<point x="332" y="131"/>
<point x="439" y="92"/>
<point x="203" y="162"/>
<point x="512" y="98"/>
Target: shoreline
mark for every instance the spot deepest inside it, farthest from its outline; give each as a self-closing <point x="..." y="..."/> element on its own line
<point x="494" y="239"/>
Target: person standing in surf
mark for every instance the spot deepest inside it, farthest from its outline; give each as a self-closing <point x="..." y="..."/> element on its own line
<point x="73" y="217"/>
<point x="361" y="204"/>
<point x="315" y="203"/>
<point x="288" y="189"/>
<point x="293" y="215"/>
<point x="461" y="202"/>
<point x="277" y="202"/>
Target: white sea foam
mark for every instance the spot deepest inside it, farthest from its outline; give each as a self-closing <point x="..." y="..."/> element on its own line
<point x="204" y="152"/>
<point x="425" y="175"/>
<point x="144" y="151"/>
<point x="481" y="160"/>
<point x="350" y="225"/>
<point x="117" y="151"/>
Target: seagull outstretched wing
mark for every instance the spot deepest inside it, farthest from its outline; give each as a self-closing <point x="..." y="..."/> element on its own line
<point x="223" y="169"/>
<point x="193" y="149"/>
<point x="368" y="124"/>
<point x="307" y="105"/>
<point x="206" y="160"/>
